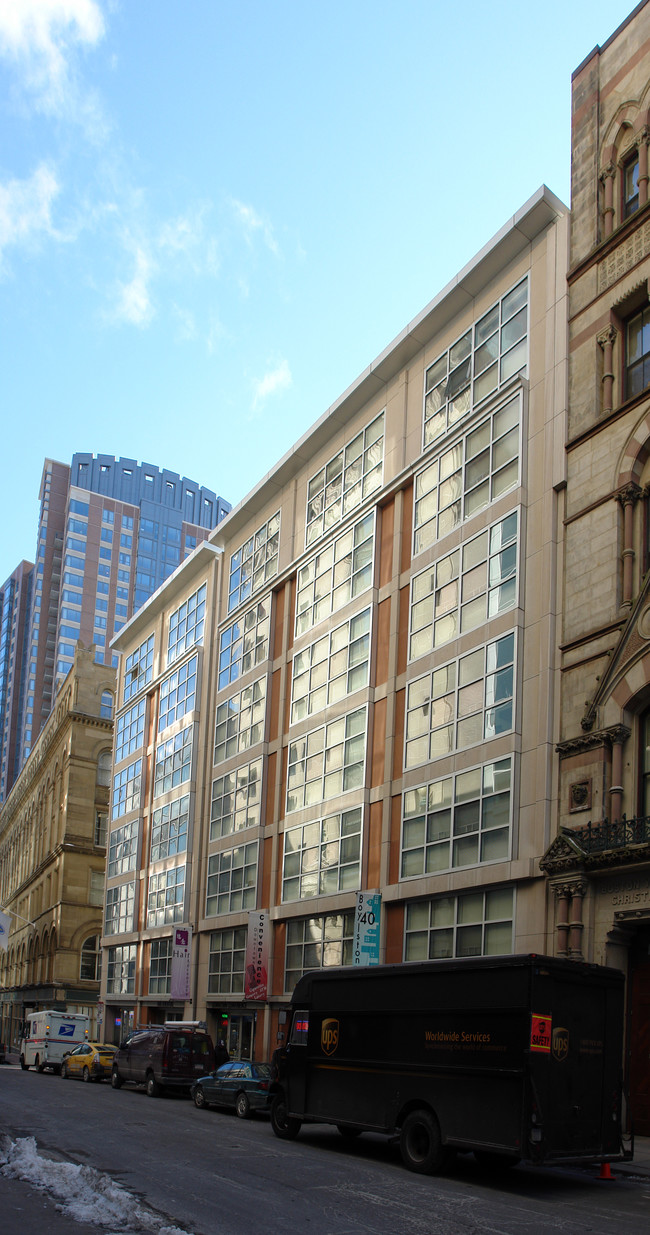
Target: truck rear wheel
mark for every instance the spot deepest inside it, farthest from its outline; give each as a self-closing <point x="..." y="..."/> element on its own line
<point x="283" y="1124"/>
<point x="116" y="1079"/>
<point x="40" y="1067"/>
<point x="420" y="1143"/>
<point x="152" y="1086"/>
<point x="23" y="1065"/>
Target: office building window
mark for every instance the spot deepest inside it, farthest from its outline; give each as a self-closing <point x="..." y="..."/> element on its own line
<point x="160" y="966"/>
<point x="492" y="351"/>
<point x="345" y="481"/>
<point x="126" y="789"/>
<point x="245" y="643"/>
<point x="336" y="575"/>
<point x="186" y="625"/>
<point x="240" y="721"/>
<point x="120" y="970"/>
<point x="255" y="563"/>
<point x="166" y="897"/>
<point x="464" y="589"/>
<point x="472" y="924"/>
<point x="123" y="849"/>
<point x="327" y="762"/>
<point x="129" y="731"/>
<point x="323" y="857"/>
<point x="173" y="761"/>
<point x="317" y="943"/>
<point x="227" y="961"/>
<point x="467" y="701"/>
<point x="232" y="880"/>
<point x="236" y="800"/>
<point x="464" y="479"/>
<point x="177" y="694"/>
<point x="169" y="827"/>
<point x="120" y="903"/>
<point x="334" y="666"/>
<point x="106" y="706"/>
<point x="138" y="669"/>
<point x="101" y="828"/>
<point x="96" y="891"/>
<point x="460" y="820"/>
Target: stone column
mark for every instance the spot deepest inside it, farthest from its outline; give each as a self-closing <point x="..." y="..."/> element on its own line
<point x="642" y="144"/>
<point x="562" y="896"/>
<point x="576" y="925"/>
<point x="628" y="497"/>
<point x="607" y="177"/>
<point x="618" y="735"/>
<point x="606" y="340"/>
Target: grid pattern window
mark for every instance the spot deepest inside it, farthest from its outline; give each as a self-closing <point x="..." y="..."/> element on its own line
<point x="323" y="857"/>
<point x="126" y="789"/>
<point x="255" y="563"/>
<point x="336" y="575"/>
<point x="169" y="827"/>
<point x="236" y="800"/>
<point x="464" y="589"/>
<point x="317" y="943"/>
<point x="173" y="761"/>
<point x="129" y="731"/>
<point x="467" y="701"/>
<point x="166" y="897"/>
<point x="327" y="762"/>
<point x="331" y="668"/>
<point x="120" y="905"/>
<point x="637" y="354"/>
<point x="467" y="477"/>
<point x="245" y="643"/>
<point x="123" y="849"/>
<point x="227" y="961"/>
<point x="120" y="970"/>
<point x="473" y="924"/>
<point x="461" y="820"/>
<point x="232" y="880"/>
<point x="186" y="625"/>
<point x="138" y="669"/>
<point x="160" y="967"/>
<point x="240" y="721"/>
<point x="177" y="694"/>
<point x="492" y="351"/>
<point x="346" y="481"/>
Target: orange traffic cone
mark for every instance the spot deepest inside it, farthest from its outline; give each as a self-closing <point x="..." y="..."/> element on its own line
<point x="605" y="1172"/>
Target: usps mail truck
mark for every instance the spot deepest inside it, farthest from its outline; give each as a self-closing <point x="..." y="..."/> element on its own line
<point x="47" y="1036"/>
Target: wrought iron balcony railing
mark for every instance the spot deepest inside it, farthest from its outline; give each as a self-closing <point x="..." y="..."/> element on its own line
<point x="605" y="835"/>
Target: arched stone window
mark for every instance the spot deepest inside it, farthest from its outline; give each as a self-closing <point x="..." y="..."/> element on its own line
<point x="90" y="959"/>
<point x="106" y="706"/>
<point x="104" y="768"/>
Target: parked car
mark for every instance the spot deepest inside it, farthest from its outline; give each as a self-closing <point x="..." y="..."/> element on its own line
<point x="238" y="1084"/>
<point x="3" y="1052"/>
<point x="169" y="1056"/>
<point x="92" y="1061"/>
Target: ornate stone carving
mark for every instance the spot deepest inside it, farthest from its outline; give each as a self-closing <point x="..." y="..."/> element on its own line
<point x="624" y="257"/>
<point x="629" y="494"/>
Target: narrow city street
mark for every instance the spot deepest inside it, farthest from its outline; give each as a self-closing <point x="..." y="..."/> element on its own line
<point x="190" y="1172"/>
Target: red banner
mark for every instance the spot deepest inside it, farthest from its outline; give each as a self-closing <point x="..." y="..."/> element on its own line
<point x="257" y="956"/>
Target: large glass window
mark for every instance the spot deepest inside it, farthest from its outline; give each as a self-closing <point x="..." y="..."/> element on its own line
<point x="486" y="356"/>
<point x="120" y="904"/>
<point x="138" y="669"/>
<point x="169" y="827"/>
<point x="322" y="857"/>
<point x="255" y="563"/>
<point x="631" y="186"/>
<point x="177" y="694"/>
<point x="637" y="354"/>
<point x="232" y="880"/>
<point x="327" y="762"/>
<point x="345" y="481"/>
<point x="90" y="964"/>
<point x="240" y="721"/>
<point x="336" y="575"/>
<point x="129" y="731"/>
<point x="464" y="589"/>
<point x="331" y="668"/>
<point x="126" y="789"/>
<point x="245" y="643"/>
<point x="466" y="701"/>
<point x="120" y="970"/>
<point x="186" y="625"/>
<point x="123" y="849"/>
<point x="473" y="924"/>
<point x="460" y="820"/>
<point x="173" y="761"/>
<point x="236" y="800"/>
<point x="166" y="898"/>
<point x="464" y="479"/>
<point x="227" y="962"/>
<point x="160" y="966"/>
<point x="317" y="943"/>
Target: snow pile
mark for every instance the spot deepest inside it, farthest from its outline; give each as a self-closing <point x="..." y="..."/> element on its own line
<point x="80" y="1192"/>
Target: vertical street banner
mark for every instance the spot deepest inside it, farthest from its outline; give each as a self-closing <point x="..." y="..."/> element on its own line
<point x="5" y="923"/>
<point x="367" y="917"/>
<point x="257" y="956"/>
<point x="181" y="962"/>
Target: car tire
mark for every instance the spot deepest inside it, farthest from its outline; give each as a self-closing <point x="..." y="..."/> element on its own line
<point x="152" y="1087"/>
<point x="85" y="1075"/>
<point x="24" y="1066"/>
<point x="199" y="1099"/>
<point x="64" y="1071"/>
<point x="242" y="1106"/>
<point x="285" y="1126"/>
<point x="421" y="1144"/>
<point x="40" y="1067"/>
<point x="116" y="1079"/>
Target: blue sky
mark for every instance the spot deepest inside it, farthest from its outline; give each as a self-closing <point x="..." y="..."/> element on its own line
<point x="214" y="215"/>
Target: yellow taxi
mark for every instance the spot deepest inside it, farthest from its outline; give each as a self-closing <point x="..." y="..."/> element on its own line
<point x="92" y="1061"/>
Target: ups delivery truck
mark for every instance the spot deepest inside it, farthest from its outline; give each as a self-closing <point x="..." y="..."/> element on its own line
<point x="516" y="1058"/>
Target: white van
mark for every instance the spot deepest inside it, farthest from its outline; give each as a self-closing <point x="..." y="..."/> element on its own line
<point x="48" y="1035"/>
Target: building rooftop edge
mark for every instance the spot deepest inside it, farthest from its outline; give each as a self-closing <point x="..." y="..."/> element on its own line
<point x="598" y="50"/>
<point x="191" y="566"/>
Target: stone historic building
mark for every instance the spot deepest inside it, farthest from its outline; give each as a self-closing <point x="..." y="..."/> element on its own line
<point x="53" y="853"/>
<point x="599" y="864"/>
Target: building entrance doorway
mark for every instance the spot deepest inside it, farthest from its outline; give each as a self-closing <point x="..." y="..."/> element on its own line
<point x="639" y="1032"/>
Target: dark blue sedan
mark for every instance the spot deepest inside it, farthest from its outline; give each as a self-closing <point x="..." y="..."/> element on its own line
<point x="239" y="1084"/>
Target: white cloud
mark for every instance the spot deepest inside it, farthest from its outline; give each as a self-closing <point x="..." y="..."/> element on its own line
<point x="277" y="379"/>
<point x="41" y="37"/>
<point x="253" y="222"/>
<point x="133" y="303"/>
<point x="26" y="208"/>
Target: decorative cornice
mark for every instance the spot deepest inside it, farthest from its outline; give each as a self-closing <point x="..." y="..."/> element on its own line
<point x="590" y="741"/>
<point x="608" y="335"/>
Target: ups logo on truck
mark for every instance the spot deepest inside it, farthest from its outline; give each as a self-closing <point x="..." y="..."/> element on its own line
<point x="560" y="1044"/>
<point x="329" y="1035"/>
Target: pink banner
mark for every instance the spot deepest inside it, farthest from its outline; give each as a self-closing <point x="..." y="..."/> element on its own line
<point x="181" y="962"/>
<point x="257" y="956"/>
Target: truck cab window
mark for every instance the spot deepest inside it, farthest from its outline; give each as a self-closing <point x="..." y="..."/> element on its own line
<point x="300" y="1028"/>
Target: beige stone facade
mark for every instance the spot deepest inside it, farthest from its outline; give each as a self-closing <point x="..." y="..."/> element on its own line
<point x="599" y="865"/>
<point x="373" y="682"/>
<point x="52" y="855"/>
